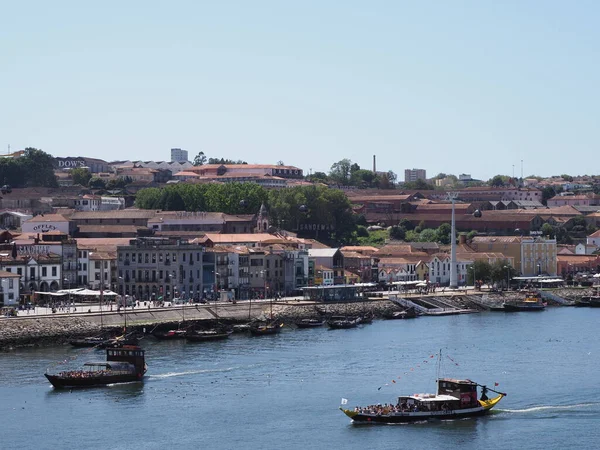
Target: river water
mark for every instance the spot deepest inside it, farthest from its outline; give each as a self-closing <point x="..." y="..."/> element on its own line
<point x="284" y="391"/>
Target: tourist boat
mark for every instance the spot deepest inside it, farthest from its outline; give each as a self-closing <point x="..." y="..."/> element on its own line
<point x="455" y="399"/>
<point x="343" y="322"/>
<point x="123" y="364"/>
<point x="207" y="335"/>
<point x="310" y="323"/>
<point x="532" y="302"/>
<point x="264" y="329"/>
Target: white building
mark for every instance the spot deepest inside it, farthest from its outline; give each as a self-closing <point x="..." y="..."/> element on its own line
<point x="439" y="269"/>
<point x="594" y="239"/>
<point x="179" y="155"/>
<point x="9" y="288"/>
<point x="43" y="223"/>
<point x="414" y="175"/>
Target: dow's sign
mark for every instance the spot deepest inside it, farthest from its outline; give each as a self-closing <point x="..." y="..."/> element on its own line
<point x="69" y="163"/>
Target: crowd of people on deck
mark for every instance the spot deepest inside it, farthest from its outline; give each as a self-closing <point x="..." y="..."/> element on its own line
<point x="404" y="407"/>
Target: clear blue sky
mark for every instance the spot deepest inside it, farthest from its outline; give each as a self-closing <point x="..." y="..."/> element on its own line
<point x="461" y="86"/>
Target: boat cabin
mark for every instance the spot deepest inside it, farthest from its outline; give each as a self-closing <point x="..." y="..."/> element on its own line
<point x="463" y="390"/>
<point x="131" y="354"/>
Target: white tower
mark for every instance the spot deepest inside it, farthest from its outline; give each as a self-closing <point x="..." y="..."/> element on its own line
<point x="453" y="265"/>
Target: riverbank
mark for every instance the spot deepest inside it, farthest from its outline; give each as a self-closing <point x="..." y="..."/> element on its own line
<point x="59" y="328"/>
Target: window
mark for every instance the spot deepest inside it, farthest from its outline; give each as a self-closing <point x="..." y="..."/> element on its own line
<point x="183" y="257"/>
<point x="133" y="257"/>
<point x="160" y="257"/>
<point x="10" y="283"/>
<point x="44" y="271"/>
<point x="53" y="271"/>
<point x="97" y="265"/>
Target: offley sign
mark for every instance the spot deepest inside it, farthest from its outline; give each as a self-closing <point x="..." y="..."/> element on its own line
<point x="69" y="163"/>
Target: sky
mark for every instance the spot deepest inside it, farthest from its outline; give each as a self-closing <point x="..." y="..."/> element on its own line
<point x="456" y="87"/>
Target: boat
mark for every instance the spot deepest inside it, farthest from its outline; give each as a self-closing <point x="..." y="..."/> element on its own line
<point x="532" y="302"/>
<point x="583" y="301"/>
<point x="124" y="364"/>
<point x="265" y="328"/>
<point x="409" y="313"/>
<point x="207" y="335"/>
<point x="455" y="399"/>
<point x="89" y="342"/>
<point x="169" y="335"/>
<point x="343" y="322"/>
<point x="310" y="323"/>
<point x="594" y="301"/>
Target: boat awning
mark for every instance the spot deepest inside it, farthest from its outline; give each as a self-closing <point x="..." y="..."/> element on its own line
<point x="432" y="398"/>
<point x="113" y="365"/>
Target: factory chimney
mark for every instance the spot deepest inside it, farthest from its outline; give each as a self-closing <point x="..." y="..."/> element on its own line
<point x="374" y="165"/>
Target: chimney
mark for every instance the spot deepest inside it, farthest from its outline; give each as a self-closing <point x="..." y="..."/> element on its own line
<point x="374" y="165"/>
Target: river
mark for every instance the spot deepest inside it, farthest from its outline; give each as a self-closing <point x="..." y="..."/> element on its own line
<point x="284" y="391"/>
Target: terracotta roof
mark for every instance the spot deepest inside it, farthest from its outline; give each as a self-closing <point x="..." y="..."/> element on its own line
<point x="239" y="237"/>
<point x="359" y="249"/>
<point x="48" y="218"/>
<point x="5" y="274"/>
<point x="118" y="214"/>
<point x="109" y="229"/>
<point x="595" y="234"/>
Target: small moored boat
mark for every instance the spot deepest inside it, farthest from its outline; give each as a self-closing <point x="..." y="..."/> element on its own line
<point x="310" y="323"/>
<point x="409" y="313"/>
<point x="207" y="335"/>
<point x="123" y="364"/>
<point x="343" y="322"/>
<point x="169" y="335"/>
<point x="454" y="399"/>
<point x="265" y="329"/>
<point x="532" y="302"/>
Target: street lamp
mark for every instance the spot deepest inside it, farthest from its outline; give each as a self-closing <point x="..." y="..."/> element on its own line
<point x="507" y="277"/>
<point x="474" y="276"/>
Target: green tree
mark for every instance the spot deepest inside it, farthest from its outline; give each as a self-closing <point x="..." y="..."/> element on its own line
<point x="81" y="176"/>
<point x="200" y="159"/>
<point x="428" y="235"/>
<point x="363" y="178"/>
<point x="443" y="233"/>
<point x="96" y="183"/>
<point x="547" y="193"/>
<point x="397" y="233"/>
<point x="548" y="230"/>
<point x="498" y="181"/>
<point x="480" y="270"/>
<point x="39" y="168"/>
<point x="340" y="172"/>
<point x="419" y="185"/>
<point x="501" y="271"/>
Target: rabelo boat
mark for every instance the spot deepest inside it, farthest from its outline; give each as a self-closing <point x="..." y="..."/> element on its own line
<point x="310" y="323"/>
<point x="343" y="322"/>
<point x="124" y="364"/>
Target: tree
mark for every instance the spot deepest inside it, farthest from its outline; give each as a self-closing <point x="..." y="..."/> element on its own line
<point x="566" y="177"/>
<point x="548" y="230"/>
<point x="200" y="159"/>
<point x="39" y="167"/>
<point x="480" y="271"/>
<point x="225" y="161"/>
<point x="419" y="185"/>
<point x="547" y="193"/>
<point x="428" y="235"/>
<point x="81" y="176"/>
<point x="340" y="172"/>
<point x="96" y="183"/>
<point x="318" y="177"/>
<point x="443" y="233"/>
<point x="498" y="181"/>
<point x="362" y="178"/>
<point x="397" y="233"/>
<point x="501" y="271"/>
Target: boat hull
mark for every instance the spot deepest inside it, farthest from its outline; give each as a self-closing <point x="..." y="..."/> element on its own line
<point x="67" y="382"/>
<point x="264" y="331"/>
<point x="310" y="324"/>
<point x="517" y="308"/>
<point x="206" y="337"/>
<point x="418" y="416"/>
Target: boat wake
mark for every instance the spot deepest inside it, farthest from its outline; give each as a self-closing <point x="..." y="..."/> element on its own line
<point x="191" y="372"/>
<point x="549" y="408"/>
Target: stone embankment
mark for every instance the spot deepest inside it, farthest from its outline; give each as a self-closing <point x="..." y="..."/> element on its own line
<point x="43" y="329"/>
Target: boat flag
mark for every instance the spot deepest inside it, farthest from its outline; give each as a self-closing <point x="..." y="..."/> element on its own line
<point x="344" y="401"/>
<point x="393" y="381"/>
<point x="495" y="384"/>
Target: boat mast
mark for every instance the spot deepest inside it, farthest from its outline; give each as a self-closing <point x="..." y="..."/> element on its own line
<point x="439" y="368"/>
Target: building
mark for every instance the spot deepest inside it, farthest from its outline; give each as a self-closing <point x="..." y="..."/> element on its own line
<point x="165" y="268"/>
<point x="94" y="165"/>
<point x="532" y="256"/>
<point x="594" y="238"/>
<point x="9" y="288"/>
<point x="178" y="155"/>
<point x="439" y="268"/>
<point x="331" y="258"/>
<point x="414" y="175"/>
